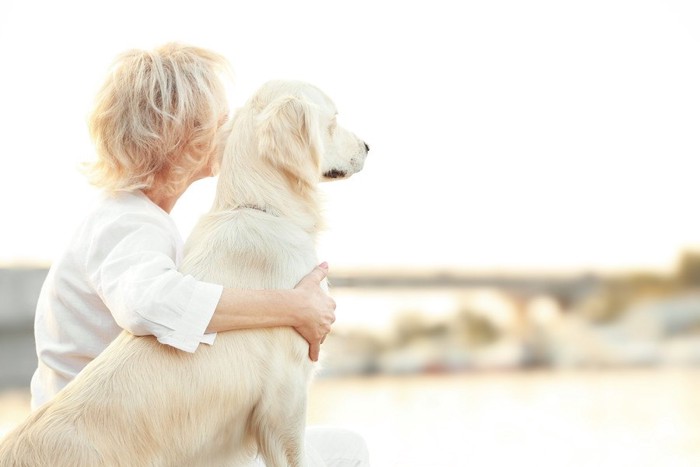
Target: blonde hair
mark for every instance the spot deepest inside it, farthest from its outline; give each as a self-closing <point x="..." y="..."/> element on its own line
<point x="156" y="117"/>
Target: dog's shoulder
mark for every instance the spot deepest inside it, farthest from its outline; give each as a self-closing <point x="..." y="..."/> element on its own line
<point x="248" y="243"/>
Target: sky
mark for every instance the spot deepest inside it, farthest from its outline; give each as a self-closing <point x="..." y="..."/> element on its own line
<point x="504" y="135"/>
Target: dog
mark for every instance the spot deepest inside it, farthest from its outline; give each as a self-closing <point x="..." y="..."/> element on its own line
<point x="141" y="403"/>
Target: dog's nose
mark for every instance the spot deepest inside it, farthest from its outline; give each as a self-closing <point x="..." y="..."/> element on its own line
<point x="366" y="147"/>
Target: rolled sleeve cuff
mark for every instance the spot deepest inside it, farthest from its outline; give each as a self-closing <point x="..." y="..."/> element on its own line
<point x="191" y="329"/>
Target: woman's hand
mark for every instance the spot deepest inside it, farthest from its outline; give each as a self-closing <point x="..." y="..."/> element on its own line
<point x="307" y="308"/>
<point x="317" y="312"/>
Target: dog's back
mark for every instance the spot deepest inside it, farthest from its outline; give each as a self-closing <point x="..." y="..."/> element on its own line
<point x="249" y="248"/>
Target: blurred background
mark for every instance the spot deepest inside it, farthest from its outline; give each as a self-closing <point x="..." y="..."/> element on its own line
<point x="517" y="268"/>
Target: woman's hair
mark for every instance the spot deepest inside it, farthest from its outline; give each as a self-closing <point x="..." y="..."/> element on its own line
<point x="157" y="116"/>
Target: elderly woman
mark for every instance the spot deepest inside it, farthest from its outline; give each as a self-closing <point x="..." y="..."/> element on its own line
<point x="157" y="128"/>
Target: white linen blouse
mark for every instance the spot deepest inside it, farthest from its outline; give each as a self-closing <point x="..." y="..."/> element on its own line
<point x="118" y="272"/>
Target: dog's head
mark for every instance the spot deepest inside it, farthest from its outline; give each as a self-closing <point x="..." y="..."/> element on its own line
<point x="279" y="146"/>
<point x="297" y="131"/>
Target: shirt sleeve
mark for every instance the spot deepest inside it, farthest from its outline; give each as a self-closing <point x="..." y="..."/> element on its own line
<point x="131" y="264"/>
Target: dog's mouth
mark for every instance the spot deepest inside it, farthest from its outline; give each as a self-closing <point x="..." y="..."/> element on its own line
<point x="335" y="173"/>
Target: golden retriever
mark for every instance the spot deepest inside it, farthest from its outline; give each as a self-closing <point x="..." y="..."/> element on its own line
<point x="141" y="403"/>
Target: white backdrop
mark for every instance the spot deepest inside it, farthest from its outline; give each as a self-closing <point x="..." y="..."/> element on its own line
<point x="504" y="134"/>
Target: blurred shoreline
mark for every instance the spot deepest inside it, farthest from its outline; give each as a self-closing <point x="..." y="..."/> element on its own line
<point x="17" y="357"/>
<point x="438" y="321"/>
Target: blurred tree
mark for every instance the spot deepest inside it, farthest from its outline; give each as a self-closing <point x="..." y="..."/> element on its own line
<point x="408" y="325"/>
<point x="619" y="294"/>
<point x="688" y="269"/>
<point x="475" y="328"/>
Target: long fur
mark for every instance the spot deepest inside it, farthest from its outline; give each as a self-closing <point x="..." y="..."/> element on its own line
<point x="147" y="404"/>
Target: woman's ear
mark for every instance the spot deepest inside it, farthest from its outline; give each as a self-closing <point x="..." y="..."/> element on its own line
<point x="287" y="133"/>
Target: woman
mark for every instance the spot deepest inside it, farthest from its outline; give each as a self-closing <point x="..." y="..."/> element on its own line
<point x="157" y="128"/>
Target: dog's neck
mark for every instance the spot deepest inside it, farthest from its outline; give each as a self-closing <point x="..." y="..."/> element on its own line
<point x="272" y="196"/>
<point x="252" y="206"/>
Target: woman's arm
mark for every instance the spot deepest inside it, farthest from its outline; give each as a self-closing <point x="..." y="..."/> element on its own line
<point x="306" y="308"/>
<point x="130" y="263"/>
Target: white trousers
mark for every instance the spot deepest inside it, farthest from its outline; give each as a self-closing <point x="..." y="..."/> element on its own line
<point x="332" y="447"/>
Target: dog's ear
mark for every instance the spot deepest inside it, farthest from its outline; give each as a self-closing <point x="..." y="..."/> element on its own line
<point x="288" y="138"/>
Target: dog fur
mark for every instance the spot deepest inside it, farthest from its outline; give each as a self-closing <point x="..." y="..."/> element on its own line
<point x="147" y="404"/>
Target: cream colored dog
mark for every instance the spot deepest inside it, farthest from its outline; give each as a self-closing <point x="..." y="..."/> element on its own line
<point x="141" y="403"/>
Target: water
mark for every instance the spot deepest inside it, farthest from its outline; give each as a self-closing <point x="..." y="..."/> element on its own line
<point x="583" y="418"/>
<point x="641" y="418"/>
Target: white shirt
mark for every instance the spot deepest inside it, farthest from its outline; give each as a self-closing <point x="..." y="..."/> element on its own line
<point x="118" y="272"/>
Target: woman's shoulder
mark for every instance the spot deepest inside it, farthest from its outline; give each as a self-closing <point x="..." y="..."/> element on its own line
<point x="127" y="205"/>
<point x="128" y="222"/>
<point x="117" y="214"/>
